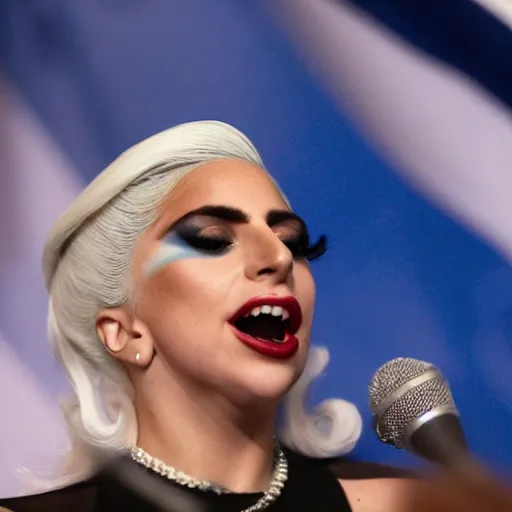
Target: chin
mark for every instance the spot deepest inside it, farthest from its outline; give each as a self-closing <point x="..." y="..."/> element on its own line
<point x="264" y="385"/>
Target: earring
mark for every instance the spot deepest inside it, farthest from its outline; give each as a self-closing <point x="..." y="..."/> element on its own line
<point x="137" y="357"/>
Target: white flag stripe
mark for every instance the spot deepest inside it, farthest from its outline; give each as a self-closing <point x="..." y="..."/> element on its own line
<point x="442" y="132"/>
<point x="36" y="433"/>
<point x="502" y="9"/>
<point x="36" y="183"/>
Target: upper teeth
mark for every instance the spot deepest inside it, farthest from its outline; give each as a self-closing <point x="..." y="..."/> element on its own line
<point x="269" y="310"/>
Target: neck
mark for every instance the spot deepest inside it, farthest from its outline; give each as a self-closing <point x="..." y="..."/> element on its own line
<point x="207" y="437"/>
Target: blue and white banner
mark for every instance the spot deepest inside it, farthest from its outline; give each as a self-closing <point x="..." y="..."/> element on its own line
<point x="388" y="124"/>
<point x="430" y="89"/>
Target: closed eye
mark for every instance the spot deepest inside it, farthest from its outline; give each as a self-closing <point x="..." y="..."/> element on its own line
<point x="208" y="244"/>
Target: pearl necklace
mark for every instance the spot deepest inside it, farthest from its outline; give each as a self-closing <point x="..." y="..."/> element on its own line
<point x="279" y="477"/>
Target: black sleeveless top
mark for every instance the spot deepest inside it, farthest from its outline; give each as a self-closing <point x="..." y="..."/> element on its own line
<point x="311" y="487"/>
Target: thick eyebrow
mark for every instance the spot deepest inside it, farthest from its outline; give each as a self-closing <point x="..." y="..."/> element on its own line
<point x="226" y="213"/>
<point x="275" y="217"/>
<point x="235" y="215"/>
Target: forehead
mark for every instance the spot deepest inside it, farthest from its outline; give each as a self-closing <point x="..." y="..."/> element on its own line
<point x="233" y="183"/>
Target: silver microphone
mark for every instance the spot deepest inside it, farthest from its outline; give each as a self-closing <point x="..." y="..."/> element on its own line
<point x="413" y="409"/>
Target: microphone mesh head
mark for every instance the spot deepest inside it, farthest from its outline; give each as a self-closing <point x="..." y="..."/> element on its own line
<point x="408" y="403"/>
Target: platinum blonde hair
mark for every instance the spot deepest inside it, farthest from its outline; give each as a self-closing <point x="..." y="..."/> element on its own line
<point x="86" y="263"/>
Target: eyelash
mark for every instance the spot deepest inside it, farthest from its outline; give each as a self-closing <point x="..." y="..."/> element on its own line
<point x="299" y="247"/>
<point x="303" y="250"/>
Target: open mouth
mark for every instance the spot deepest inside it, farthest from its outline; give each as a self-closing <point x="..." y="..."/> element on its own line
<point x="268" y="325"/>
<point x="265" y="322"/>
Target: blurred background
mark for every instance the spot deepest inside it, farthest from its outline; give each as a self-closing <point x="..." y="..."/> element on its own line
<point x="388" y="125"/>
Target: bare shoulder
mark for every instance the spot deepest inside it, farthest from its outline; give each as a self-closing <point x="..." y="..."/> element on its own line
<point x="378" y="494"/>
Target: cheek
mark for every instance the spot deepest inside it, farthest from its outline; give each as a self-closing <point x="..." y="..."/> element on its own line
<point x="181" y="293"/>
<point x="167" y="293"/>
<point x="306" y="291"/>
<point x="172" y="275"/>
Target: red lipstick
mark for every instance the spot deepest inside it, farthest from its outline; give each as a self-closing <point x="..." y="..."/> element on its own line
<point x="290" y="312"/>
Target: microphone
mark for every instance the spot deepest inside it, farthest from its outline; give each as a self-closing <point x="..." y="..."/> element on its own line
<point x="413" y="409"/>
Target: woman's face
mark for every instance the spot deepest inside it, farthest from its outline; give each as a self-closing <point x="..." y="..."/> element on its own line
<point x="223" y="286"/>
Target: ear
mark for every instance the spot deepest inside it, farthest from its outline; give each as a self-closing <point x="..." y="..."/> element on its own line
<point x="125" y="337"/>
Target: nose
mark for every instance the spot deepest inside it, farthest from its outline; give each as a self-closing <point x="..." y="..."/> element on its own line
<point x="268" y="258"/>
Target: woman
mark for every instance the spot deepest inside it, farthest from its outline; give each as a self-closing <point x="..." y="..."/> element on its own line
<point x="180" y="307"/>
